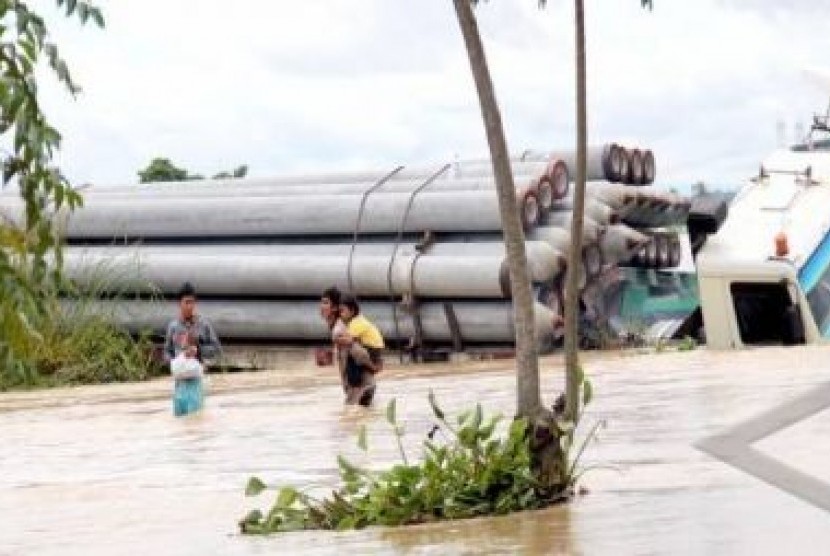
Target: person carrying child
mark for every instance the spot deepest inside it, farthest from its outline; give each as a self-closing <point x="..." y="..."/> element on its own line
<point x="189" y="342"/>
<point x="363" y="345"/>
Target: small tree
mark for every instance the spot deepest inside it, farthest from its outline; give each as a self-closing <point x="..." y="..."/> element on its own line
<point x="26" y="245"/>
<point x="236" y="173"/>
<point x="163" y="170"/>
<point x="574" y="377"/>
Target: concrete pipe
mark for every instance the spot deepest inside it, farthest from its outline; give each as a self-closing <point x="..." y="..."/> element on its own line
<point x="592" y="260"/>
<point x="267" y="187"/>
<point x="625" y="163"/>
<point x="655" y="208"/>
<point x="555" y="172"/>
<point x="636" y="171"/>
<point x="591" y="230"/>
<point x="275" y="321"/>
<point x="614" y="195"/>
<point x="603" y="162"/>
<point x="676" y="251"/>
<point x="560" y="178"/>
<point x="638" y="260"/>
<point x="620" y="243"/>
<point x="447" y="270"/>
<point x="643" y="212"/>
<point x="529" y="209"/>
<point x="443" y="277"/>
<point x="647" y="257"/>
<point x="461" y="211"/>
<point x="652" y="257"/>
<point x="595" y="209"/>
<point x="663" y="244"/>
<point x="545" y="196"/>
<point x="560" y="239"/>
<point x="649" y="167"/>
<point x="553" y="297"/>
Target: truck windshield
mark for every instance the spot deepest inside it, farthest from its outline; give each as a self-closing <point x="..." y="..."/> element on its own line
<point x="814" y="278"/>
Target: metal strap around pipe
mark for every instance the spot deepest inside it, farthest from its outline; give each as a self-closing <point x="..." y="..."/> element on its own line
<point x="397" y="244"/>
<point x="454" y="326"/>
<point x="377" y="185"/>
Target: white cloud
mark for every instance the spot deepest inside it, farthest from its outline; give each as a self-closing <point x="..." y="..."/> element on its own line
<point x="327" y="84"/>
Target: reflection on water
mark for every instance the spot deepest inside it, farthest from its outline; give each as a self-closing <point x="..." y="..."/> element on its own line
<point x="110" y="471"/>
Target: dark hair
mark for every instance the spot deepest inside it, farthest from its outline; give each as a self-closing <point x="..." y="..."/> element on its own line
<point x="333" y="295"/>
<point x="187" y="290"/>
<point x="350" y="301"/>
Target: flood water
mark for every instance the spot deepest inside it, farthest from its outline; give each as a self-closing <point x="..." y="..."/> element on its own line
<point x="108" y="470"/>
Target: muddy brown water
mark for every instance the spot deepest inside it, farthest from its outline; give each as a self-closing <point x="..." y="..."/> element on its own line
<point x="108" y="470"/>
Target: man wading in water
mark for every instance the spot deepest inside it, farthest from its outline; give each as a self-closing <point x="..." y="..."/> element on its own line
<point x="190" y="338"/>
<point x="355" y="362"/>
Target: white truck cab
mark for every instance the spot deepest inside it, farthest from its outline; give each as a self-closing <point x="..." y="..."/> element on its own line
<point x="764" y="277"/>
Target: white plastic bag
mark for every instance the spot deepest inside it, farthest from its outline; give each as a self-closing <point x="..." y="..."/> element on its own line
<point x="183" y="367"/>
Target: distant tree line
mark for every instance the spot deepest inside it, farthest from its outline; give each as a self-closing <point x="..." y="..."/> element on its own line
<point x="162" y="169"/>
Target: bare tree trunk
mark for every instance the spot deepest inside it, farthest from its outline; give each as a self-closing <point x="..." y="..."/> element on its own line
<point x="572" y="372"/>
<point x="528" y="400"/>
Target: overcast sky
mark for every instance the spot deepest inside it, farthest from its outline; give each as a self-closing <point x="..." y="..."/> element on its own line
<point x="320" y="85"/>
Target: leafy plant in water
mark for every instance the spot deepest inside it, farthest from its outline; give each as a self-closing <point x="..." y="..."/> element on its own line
<point x="687" y="344"/>
<point x="467" y="469"/>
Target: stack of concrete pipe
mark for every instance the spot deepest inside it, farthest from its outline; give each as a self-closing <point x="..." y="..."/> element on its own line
<point x="609" y="162"/>
<point x="661" y="251"/>
<point x="416" y="245"/>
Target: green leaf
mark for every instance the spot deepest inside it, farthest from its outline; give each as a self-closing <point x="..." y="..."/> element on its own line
<point x="15" y="104"/>
<point x="29" y="48"/>
<point x="487" y="430"/>
<point x="59" y="191"/>
<point x="346" y="466"/>
<point x="253" y="517"/>
<point x="437" y="411"/>
<point x="287" y="497"/>
<point x="70" y="6"/>
<point x="254" y="487"/>
<point x="467" y="437"/>
<point x="587" y="392"/>
<point x="477" y="417"/>
<point x="95" y="13"/>
<point x="348" y="522"/>
<point x="462" y="417"/>
<point x="83" y="11"/>
<point x="390" y="411"/>
<point x="361" y="438"/>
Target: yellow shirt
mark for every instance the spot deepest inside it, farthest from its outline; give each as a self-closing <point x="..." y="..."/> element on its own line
<point x="365" y="332"/>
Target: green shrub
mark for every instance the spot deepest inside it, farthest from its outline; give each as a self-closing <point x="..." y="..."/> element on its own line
<point x="70" y="341"/>
<point x="468" y="470"/>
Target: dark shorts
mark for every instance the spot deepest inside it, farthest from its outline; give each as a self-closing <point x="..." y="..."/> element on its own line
<point x="354" y="371"/>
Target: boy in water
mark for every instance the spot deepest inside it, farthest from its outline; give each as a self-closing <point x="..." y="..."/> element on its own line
<point x="364" y="344"/>
<point x="190" y="340"/>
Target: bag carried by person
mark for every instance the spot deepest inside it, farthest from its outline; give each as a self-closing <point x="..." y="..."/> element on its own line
<point x="182" y="367"/>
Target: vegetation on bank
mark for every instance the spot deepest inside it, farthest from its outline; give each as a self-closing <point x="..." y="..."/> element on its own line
<point x="75" y="346"/>
<point x="470" y="467"/>
<point x="42" y="344"/>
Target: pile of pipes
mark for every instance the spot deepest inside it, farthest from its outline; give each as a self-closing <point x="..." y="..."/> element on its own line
<point x="421" y="247"/>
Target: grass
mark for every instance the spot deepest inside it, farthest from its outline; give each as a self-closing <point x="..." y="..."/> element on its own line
<point x="69" y="341"/>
